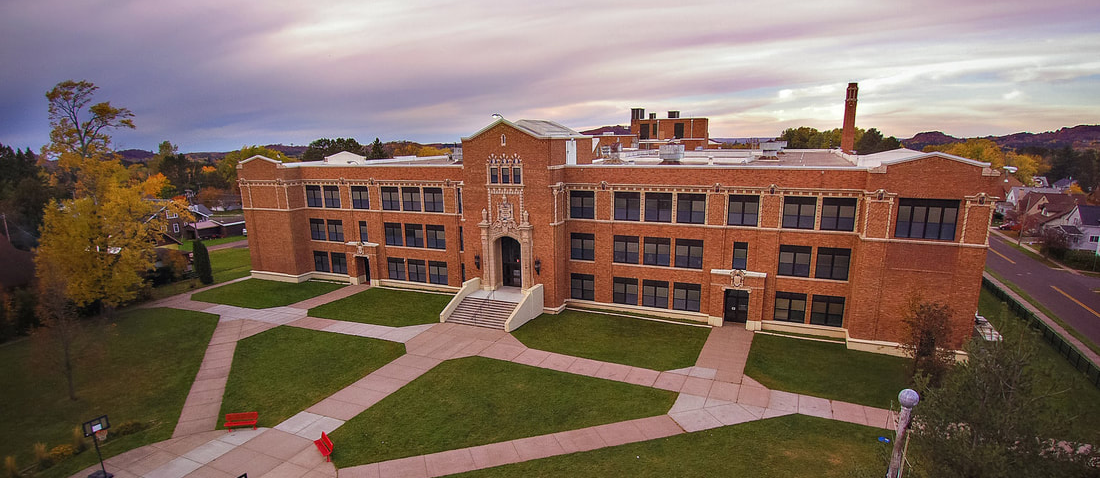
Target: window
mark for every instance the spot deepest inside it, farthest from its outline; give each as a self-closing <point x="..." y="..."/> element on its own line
<point x="437" y="272"/>
<point x="458" y="200"/>
<point x="691" y="208"/>
<point x="433" y="200"/>
<point x="414" y="235"/>
<point x="838" y="214"/>
<point x="626" y="249"/>
<point x="170" y="215"/>
<point x="437" y="237"/>
<point x="685" y="297"/>
<point x="658" y="207"/>
<point x="494" y="176"/>
<point x="505" y="175"/>
<point x="462" y="269"/>
<point x="656" y="251"/>
<point x="332" y="196"/>
<point x="790" y="307"/>
<point x="689" y="253"/>
<point x="517" y="178"/>
<point x="317" y="229"/>
<point x="339" y="263"/>
<point x="391" y="200"/>
<point x="927" y="219"/>
<point x="741" y="255"/>
<point x="410" y="199"/>
<point x="360" y="197"/>
<point x="655" y="294"/>
<point x="363" y="231"/>
<point x="678" y="130"/>
<point x="397" y="268"/>
<point x="393" y="234"/>
<point x="627" y="206"/>
<point x="827" y="310"/>
<point x="582" y="246"/>
<point x="794" y="261"/>
<point x="313" y="196"/>
<point x="1094" y="239"/>
<point x="798" y="212"/>
<point x="176" y="227"/>
<point x="582" y="286"/>
<point x="625" y="291"/>
<point x="320" y="261"/>
<point x="335" y="230"/>
<point x="743" y="210"/>
<point x="643" y="132"/>
<point x="417" y="271"/>
<point x="832" y="263"/>
<point x="461" y="240"/>
<point x="582" y="204"/>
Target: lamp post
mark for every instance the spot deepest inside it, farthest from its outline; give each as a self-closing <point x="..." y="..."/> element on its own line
<point x="908" y="399"/>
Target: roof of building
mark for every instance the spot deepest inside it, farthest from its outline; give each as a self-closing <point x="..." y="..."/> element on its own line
<point x="546" y="128"/>
<point x="18" y="267"/>
<point x="1064" y="183"/>
<point x="1070" y="230"/>
<point x="1090" y="215"/>
<point x="200" y="210"/>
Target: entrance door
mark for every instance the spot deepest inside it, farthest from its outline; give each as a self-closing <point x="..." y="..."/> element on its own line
<point x="364" y="269"/>
<point x="512" y="275"/>
<point x="737" y="306"/>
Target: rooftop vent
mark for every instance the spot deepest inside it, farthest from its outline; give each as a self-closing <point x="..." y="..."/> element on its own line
<point x="653" y="116"/>
<point x="673" y="114"/>
<point x="671" y="153"/>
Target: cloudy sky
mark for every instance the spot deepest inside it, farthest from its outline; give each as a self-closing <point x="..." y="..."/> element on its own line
<point x="219" y="74"/>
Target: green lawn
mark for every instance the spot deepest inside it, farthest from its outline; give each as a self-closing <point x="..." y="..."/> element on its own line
<point x="395" y="308"/>
<point x="148" y="360"/>
<point x="826" y="370"/>
<point x="226" y="264"/>
<point x="261" y="294"/>
<point x="1080" y="397"/>
<point x="790" y="446"/>
<point x="476" y="401"/>
<point x="188" y="244"/>
<point x="279" y="372"/>
<point x="638" y="342"/>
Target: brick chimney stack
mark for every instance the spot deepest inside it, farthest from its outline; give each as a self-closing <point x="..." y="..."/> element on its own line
<point x="848" y="134"/>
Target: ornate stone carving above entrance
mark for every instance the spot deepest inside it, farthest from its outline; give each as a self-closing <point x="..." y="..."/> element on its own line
<point x="737" y="278"/>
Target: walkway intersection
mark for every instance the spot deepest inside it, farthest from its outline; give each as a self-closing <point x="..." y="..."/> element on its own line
<point x="713" y="393"/>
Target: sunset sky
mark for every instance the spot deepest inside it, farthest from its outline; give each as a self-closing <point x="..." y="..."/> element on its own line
<point x="213" y="75"/>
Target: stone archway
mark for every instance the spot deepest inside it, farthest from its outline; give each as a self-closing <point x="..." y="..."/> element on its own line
<point x="494" y="235"/>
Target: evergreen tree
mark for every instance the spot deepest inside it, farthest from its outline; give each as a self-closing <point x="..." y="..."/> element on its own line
<point x="376" y="150"/>
<point x="202" y="263"/>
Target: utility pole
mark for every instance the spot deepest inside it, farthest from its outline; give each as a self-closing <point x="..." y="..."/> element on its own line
<point x="908" y="399"/>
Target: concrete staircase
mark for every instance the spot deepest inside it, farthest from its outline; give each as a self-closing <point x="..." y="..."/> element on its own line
<point x="482" y="312"/>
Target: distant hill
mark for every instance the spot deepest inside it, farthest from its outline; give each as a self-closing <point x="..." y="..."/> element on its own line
<point x="213" y="156"/>
<point x="135" y="155"/>
<point x="1080" y="136"/>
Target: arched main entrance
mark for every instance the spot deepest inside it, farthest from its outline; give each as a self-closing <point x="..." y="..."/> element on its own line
<point x="510" y="263"/>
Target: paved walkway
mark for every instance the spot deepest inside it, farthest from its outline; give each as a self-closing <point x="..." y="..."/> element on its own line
<point x="713" y="393"/>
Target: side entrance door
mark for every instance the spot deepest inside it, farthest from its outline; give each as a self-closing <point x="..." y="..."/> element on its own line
<point x="510" y="263"/>
<point x="737" y="306"/>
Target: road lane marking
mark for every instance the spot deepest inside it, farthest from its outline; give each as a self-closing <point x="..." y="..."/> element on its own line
<point x="1002" y="255"/>
<point x="1075" y="300"/>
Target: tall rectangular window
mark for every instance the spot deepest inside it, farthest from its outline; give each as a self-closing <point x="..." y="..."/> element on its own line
<point x="418" y="272"/>
<point x="743" y="210"/>
<point x="396" y="267"/>
<point x="494" y="175"/>
<point x="678" y="130"/>
<point x="391" y="199"/>
<point x="927" y="219"/>
<point x="790" y="307"/>
<point x="658" y="207"/>
<point x="313" y="196"/>
<point x="335" y="230"/>
<point x="625" y="291"/>
<point x="827" y="310"/>
<point x="433" y="200"/>
<point x="505" y="175"/>
<point x="656" y="251"/>
<point x="320" y="261"/>
<point x="832" y="263"/>
<point x="437" y="237"/>
<point x="626" y="249"/>
<point x="628" y="206"/>
<point x="414" y="235"/>
<point x="689" y="253"/>
<point x="410" y="199"/>
<point x="317" y="229"/>
<point x="332" y="196"/>
<point x="360" y="197"/>
<point x="461" y="240"/>
<point x="393" y="234"/>
<point x="798" y="212"/>
<point x="339" y="263"/>
<point x="691" y="208"/>
<point x="794" y="261"/>
<point x="582" y="286"/>
<point x="741" y="255"/>
<point x="437" y="272"/>
<point x="582" y="246"/>
<point x="458" y="200"/>
<point x="838" y="214"/>
<point x="685" y="296"/>
<point x="517" y="178"/>
<point x="582" y="204"/>
<point x="655" y="294"/>
<point x="363" y="231"/>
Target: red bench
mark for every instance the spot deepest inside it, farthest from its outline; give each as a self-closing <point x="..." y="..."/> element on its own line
<point x="324" y="444"/>
<point x="241" y="420"/>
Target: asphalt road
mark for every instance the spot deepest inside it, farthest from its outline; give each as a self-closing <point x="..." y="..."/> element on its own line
<point x="1067" y="295"/>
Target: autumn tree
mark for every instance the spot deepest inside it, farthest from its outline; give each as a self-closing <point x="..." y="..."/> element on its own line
<point x="928" y="336"/>
<point x="76" y="127"/>
<point x="1027" y="166"/>
<point x="327" y="147"/>
<point x="227" y="167"/>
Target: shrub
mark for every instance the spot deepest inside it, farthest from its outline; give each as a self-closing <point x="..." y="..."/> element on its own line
<point x="129" y="427"/>
<point x="202" y="263"/>
<point x="11" y="470"/>
<point x="42" y="457"/>
<point x="80" y="442"/>
<point x="61" y="452"/>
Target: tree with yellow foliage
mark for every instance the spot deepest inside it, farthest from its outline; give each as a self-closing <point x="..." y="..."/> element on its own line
<point x="984" y="150"/>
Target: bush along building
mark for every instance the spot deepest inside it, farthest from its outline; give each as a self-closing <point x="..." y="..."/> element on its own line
<point x="531" y="217"/>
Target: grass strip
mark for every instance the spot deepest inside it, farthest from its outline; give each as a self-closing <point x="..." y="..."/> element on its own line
<point x="394" y="308"/>
<point x="262" y="294"/>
